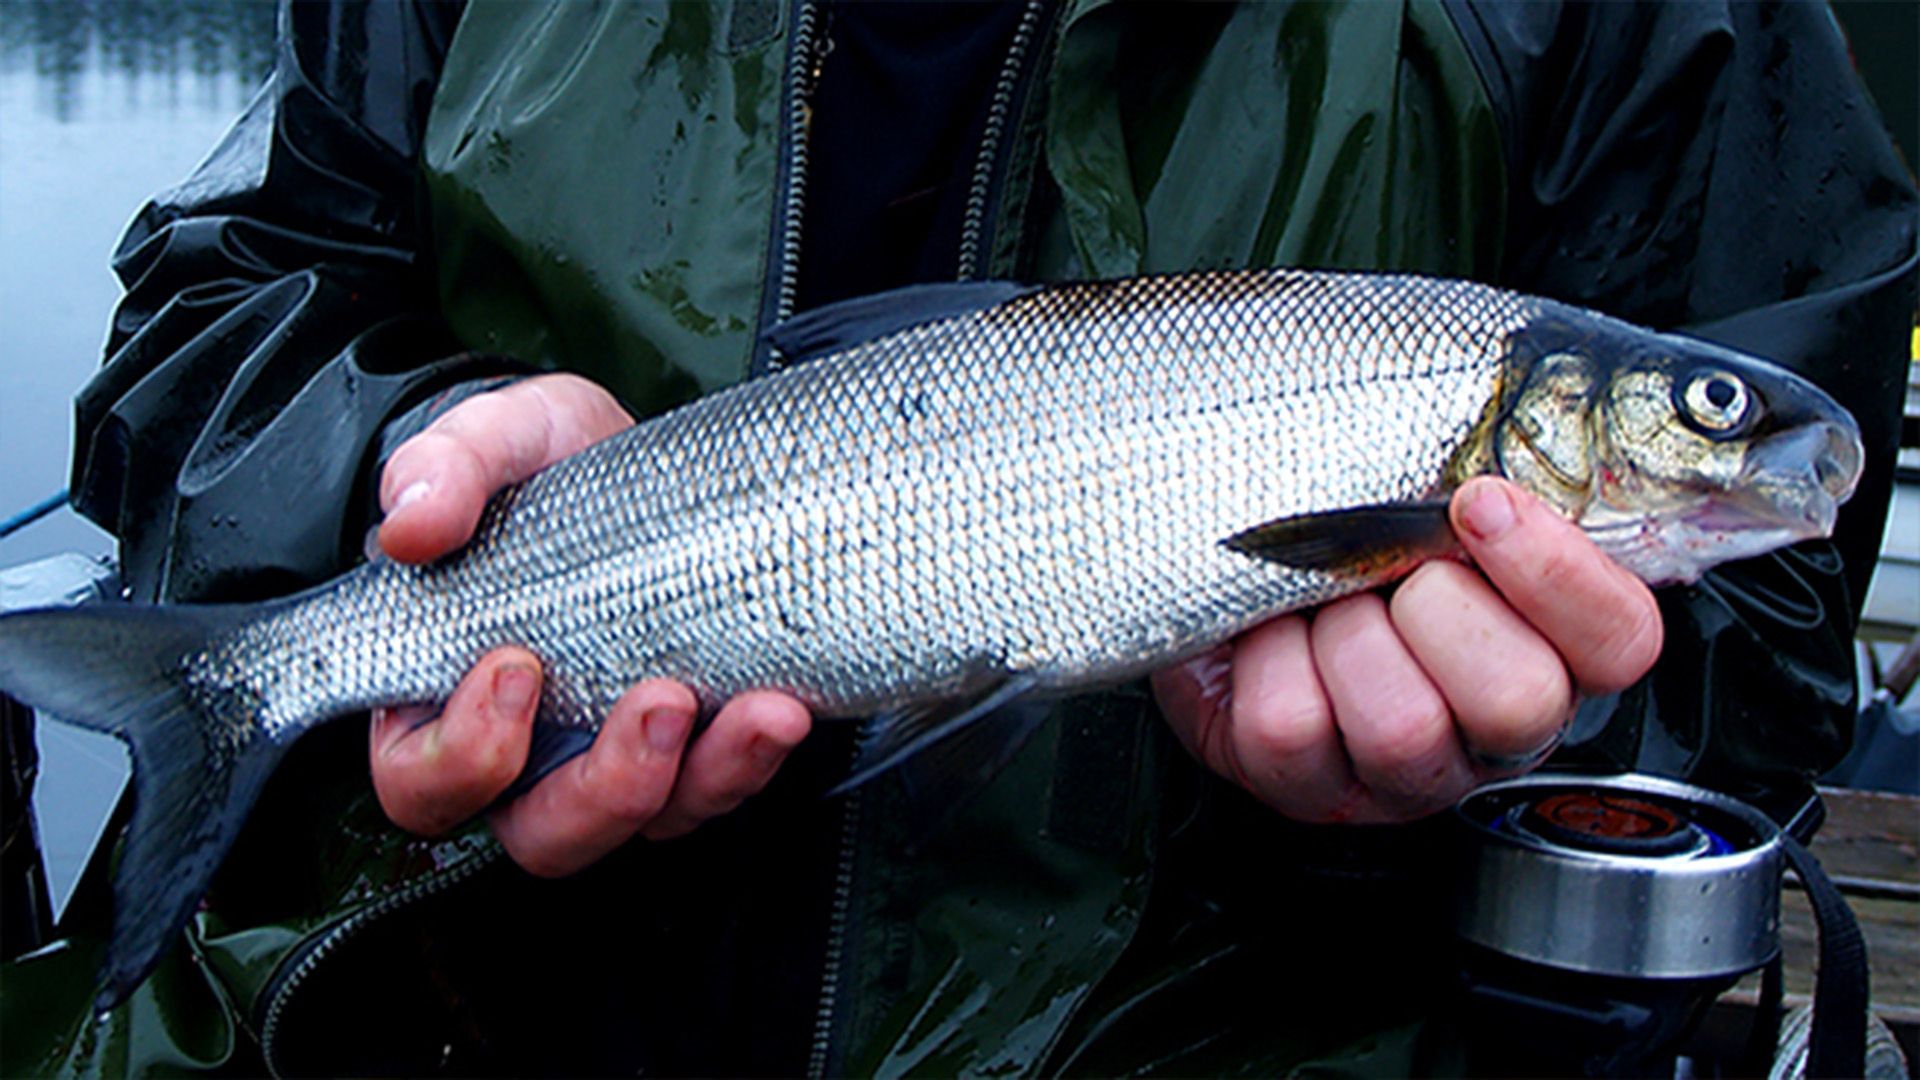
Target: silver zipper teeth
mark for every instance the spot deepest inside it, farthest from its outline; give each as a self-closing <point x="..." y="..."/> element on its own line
<point x="800" y="84"/>
<point x="350" y="927"/>
<point x="805" y="77"/>
<point x="973" y="223"/>
<point x="836" y="934"/>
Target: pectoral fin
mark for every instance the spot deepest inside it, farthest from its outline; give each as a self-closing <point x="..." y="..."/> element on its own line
<point x="1362" y="540"/>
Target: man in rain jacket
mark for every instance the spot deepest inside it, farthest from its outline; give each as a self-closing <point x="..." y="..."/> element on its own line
<point x="633" y="194"/>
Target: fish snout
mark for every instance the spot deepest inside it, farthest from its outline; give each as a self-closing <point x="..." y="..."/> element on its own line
<point x="1837" y="465"/>
<point x="1799" y="478"/>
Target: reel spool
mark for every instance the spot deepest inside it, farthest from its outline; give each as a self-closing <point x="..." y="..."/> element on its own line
<point x="1600" y="916"/>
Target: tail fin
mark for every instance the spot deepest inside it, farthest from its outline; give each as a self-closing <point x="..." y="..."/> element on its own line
<point x="199" y="758"/>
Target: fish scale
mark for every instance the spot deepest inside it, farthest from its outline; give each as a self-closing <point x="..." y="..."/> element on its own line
<point x="1011" y="490"/>
<point x="963" y="494"/>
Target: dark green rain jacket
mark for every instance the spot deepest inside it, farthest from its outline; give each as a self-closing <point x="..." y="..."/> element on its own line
<point x="614" y="190"/>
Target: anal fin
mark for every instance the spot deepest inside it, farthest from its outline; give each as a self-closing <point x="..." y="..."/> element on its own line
<point x="895" y="736"/>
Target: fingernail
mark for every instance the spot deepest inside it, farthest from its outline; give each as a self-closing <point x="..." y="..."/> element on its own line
<point x="514" y="686"/>
<point x="413" y="493"/>
<point x="666" y="729"/>
<point x="1487" y="511"/>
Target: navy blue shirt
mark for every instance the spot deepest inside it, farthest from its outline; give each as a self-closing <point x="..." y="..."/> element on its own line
<point x="898" y="115"/>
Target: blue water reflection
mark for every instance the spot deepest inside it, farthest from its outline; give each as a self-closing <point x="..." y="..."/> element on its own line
<point x="102" y="103"/>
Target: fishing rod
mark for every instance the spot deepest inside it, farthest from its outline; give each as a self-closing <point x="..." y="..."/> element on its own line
<point x="15" y="522"/>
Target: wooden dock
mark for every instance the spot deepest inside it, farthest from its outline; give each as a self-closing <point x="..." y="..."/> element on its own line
<point x="1870" y="846"/>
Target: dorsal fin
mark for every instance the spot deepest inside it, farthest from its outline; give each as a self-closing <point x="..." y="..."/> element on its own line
<point x="864" y="318"/>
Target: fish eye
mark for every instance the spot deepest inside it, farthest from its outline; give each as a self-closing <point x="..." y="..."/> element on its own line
<point x="1717" y="402"/>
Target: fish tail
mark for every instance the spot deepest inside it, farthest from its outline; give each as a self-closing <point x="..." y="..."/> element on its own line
<point x="199" y="755"/>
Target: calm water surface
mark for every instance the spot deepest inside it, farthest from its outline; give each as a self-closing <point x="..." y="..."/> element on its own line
<point x="102" y="104"/>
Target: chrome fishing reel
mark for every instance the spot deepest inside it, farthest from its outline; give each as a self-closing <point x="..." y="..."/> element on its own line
<point x="1599" y="917"/>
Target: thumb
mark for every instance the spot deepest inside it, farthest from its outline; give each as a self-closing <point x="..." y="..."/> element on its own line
<point x="437" y="483"/>
<point x="1601" y="618"/>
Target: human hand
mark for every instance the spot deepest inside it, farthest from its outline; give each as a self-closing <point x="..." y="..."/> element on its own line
<point x="1374" y="710"/>
<point x="639" y="777"/>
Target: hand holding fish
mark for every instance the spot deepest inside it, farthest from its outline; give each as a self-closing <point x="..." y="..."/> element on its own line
<point x="433" y="772"/>
<point x="1376" y="710"/>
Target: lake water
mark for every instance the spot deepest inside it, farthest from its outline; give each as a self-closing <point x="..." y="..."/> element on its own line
<point x="102" y="104"/>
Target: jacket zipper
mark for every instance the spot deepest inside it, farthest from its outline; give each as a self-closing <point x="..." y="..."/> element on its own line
<point x="838" y="914"/>
<point x="973" y="224"/>
<point x="809" y="48"/>
<point x="350" y="927"/>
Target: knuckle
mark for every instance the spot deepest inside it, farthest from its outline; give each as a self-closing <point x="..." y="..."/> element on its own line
<point x="724" y="802"/>
<point x="476" y="758"/>
<point x="671" y="826"/>
<point x="627" y="797"/>
<point x="1282" y="726"/>
<point x="1412" y="785"/>
<point x="1427" y="801"/>
<point x="490" y="767"/>
<point x="1528" y="698"/>
<point x="415" y="811"/>
<point x="1428" y="580"/>
<point x="540" y="860"/>
<point x="398" y="809"/>
<point x="1208" y="735"/>
<point x="475" y="413"/>
<point x="632" y="807"/>
<point x="1406" y="736"/>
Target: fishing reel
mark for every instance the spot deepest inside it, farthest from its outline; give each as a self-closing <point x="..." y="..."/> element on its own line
<point x="1599" y="917"/>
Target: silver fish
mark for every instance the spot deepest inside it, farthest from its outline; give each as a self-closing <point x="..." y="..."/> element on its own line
<point x="965" y="494"/>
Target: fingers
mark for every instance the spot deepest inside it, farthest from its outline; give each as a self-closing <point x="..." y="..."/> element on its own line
<point x="1255" y="712"/>
<point x="1386" y="711"/>
<point x="599" y="800"/>
<point x="431" y="774"/>
<point x="437" y="483"/>
<point x="641" y="778"/>
<point x="1600" y="618"/>
<point x="734" y="758"/>
<point x="1503" y="681"/>
<point x="1368" y="715"/>
<point x="1395" y="723"/>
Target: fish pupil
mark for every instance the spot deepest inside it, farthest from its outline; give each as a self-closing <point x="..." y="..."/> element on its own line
<point x="1720" y="392"/>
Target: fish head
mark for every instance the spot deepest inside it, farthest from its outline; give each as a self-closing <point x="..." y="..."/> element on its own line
<point x="1673" y="454"/>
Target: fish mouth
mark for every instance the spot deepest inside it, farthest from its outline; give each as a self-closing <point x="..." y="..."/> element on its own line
<point x="1793" y="482"/>
<point x="1808" y="516"/>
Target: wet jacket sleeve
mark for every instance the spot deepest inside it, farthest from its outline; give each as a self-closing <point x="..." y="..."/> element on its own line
<point x="278" y="312"/>
<point x="1718" y="169"/>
